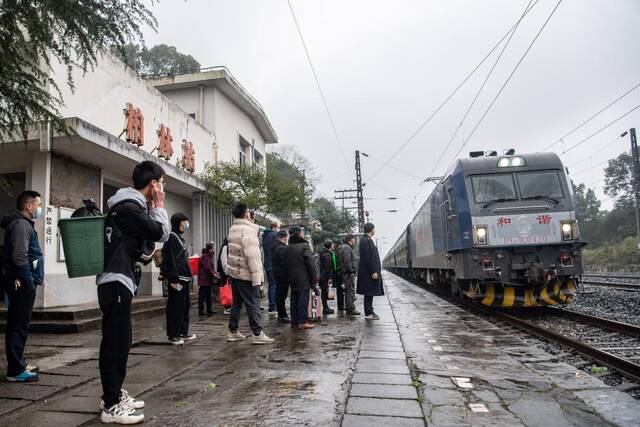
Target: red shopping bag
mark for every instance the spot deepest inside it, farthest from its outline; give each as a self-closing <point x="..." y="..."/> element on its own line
<point x="226" y="294"/>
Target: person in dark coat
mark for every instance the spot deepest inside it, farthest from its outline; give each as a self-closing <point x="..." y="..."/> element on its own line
<point x="369" y="272"/>
<point x="327" y="273"/>
<point x="302" y="274"/>
<point x="178" y="273"/>
<point x="207" y="275"/>
<point x="268" y="240"/>
<point x="279" y="266"/>
<point x="348" y="272"/>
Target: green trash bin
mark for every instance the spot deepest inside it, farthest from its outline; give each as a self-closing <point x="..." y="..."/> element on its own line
<point x="83" y="244"/>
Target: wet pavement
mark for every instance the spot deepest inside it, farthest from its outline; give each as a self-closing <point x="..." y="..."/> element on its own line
<point x="425" y="362"/>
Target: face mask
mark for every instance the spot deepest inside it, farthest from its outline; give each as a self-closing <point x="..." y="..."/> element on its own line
<point x="38" y="213"/>
<point x="186" y="226"/>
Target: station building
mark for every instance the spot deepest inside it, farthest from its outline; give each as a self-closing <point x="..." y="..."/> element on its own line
<point x="116" y="119"/>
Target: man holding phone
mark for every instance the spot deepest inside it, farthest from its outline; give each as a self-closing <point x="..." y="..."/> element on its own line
<point x="136" y="216"/>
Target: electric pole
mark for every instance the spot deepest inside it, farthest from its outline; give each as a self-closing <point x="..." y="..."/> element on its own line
<point x="636" y="178"/>
<point x="359" y="194"/>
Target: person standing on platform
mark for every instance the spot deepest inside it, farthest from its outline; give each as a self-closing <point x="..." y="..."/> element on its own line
<point x="279" y="263"/>
<point x="268" y="241"/>
<point x="244" y="266"/>
<point x="369" y="272"/>
<point x="136" y="216"/>
<point x="327" y="272"/>
<point x="348" y="271"/>
<point x="302" y="273"/>
<point x="207" y="275"/>
<point x="222" y="267"/>
<point x="24" y="271"/>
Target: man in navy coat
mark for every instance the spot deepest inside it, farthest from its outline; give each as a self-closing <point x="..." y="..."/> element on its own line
<point x="369" y="274"/>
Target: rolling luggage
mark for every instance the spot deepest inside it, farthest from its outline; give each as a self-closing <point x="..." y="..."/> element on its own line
<point x="315" y="307"/>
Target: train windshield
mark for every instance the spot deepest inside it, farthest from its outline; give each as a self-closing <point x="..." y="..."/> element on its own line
<point x="494" y="187"/>
<point x="539" y="184"/>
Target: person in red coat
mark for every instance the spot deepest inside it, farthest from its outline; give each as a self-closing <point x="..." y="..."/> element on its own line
<point x="207" y="275"/>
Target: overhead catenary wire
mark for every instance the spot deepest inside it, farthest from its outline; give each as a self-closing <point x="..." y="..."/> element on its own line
<point x="315" y="76"/>
<point x="495" y="98"/>
<point x="444" y="102"/>
<point x="612" y="103"/>
<point x="482" y="86"/>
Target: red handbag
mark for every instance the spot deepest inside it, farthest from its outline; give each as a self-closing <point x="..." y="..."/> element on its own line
<point x="226" y="294"/>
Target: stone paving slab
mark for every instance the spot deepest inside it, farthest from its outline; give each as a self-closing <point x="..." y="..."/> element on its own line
<point x="384" y="407"/>
<point x="383" y="354"/>
<point x="27" y="391"/>
<point x="55" y="419"/>
<point x="383" y="391"/>
<point x="382" y="366"/>
<point x="373" y="421"/>
<point x="370" y="378"/>
<point x="79" y="404"/>
<point x="7" y="405"/>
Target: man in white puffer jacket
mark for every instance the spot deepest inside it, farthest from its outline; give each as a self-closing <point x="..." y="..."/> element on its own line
<point x="244" y="266"/>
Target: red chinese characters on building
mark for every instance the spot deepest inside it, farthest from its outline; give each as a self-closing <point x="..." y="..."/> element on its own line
<point x="503" y="220"/>
<point x="544" y="219"/>
<point x="165" y="149"/>
<point x="134" y="126"/>
<point x="188" y="156"/>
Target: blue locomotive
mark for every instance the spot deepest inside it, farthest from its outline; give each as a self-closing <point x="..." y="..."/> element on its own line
<point x="501" y="230"/>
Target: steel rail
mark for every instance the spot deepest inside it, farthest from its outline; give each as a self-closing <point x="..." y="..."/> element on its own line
<point x="621" y="364"/>
<point x="612" y="325"/>
<point x="619" y="285"/>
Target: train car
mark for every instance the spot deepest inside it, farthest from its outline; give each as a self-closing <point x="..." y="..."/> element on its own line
<point x="501" y="230"/>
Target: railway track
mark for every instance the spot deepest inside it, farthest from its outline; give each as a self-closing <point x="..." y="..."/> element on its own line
<point x="630" y="286"/>
<point x="610" y="343"/>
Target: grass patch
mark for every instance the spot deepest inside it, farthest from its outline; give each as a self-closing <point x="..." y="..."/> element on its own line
<point x="209" y="387"/>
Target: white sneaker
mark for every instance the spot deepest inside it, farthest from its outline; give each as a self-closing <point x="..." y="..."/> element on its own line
<point x="261" y="339"/>
<point x="121" y="413"/>
<point x="189" y="337"/>
<point x="227" y="311"/>
<point x="235" y="336"/>
<point x="128" y="399"/>
<point x="273" y="313"/>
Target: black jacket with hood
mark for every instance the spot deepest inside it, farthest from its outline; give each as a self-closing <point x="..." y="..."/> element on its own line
<point x="301" y="266"/>
<point x="279" y="261"/>
<point x="23" y="259"/>
<point x="130" y="229"/>
<point x="175" y="258"/>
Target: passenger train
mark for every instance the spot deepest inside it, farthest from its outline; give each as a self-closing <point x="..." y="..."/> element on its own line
<point x="500" y="230"/>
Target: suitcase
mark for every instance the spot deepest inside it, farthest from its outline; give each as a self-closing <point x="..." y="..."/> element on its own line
<point x="331" y="293"/>
<point x="315" y="307"/>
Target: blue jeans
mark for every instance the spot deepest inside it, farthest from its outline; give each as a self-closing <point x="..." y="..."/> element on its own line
<point x="299" y="306"/>
<point x="272" y="290"/>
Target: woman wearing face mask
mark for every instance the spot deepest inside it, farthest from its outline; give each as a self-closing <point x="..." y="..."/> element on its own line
<point x="178" y="274"/>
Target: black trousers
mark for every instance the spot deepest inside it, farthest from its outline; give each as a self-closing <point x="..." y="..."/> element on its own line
<point x="281" y="295"/>
<point x="18" y="317"/>
<point x="115" y="303"/>
<point x="368" y="305"/>
<point x="324" y="292"/>
<point x="299" y="307"/>
<point x="178" y="305"/>
<point x="204" y="298"/>
<point x="245" y="293"/>
<point x="340" y="293"/>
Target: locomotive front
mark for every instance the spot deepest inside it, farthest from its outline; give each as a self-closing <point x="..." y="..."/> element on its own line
<point x="524" y="246"/>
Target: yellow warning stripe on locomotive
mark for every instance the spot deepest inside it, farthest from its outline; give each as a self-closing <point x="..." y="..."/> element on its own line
<point x="496" y="295"/>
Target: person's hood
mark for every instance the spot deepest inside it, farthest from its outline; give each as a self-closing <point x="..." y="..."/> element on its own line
<point x="127" y="193"/>
<point x="278" y="242"/>
<point x="12" y="216"/>
<point x="296" y="239"/>
<point x="324" y="250"/>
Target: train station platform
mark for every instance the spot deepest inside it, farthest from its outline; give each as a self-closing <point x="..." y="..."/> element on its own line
<point x="425" y="362"/>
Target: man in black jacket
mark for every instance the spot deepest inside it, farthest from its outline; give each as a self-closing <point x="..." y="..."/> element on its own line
<point x="177" y="271"/>
<point x="369" y="273"/>
<point x="302" y="274"/>
<point x="136" y="217"/>
<point x="279" y="266"/>
<point x="24" y="271"/>
<point x="327" y="272"/>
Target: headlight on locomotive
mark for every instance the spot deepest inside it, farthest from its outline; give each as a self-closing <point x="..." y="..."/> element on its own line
<point x="481" y="235"/>
<point x="568" y="230"/>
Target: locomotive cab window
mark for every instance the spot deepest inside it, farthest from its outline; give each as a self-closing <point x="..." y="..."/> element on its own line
<point x="493" y="187"/>
<point x="539" y="184"/>
<point x="451" y="200"/>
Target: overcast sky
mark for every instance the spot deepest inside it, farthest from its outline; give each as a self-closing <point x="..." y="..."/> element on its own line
<point x="385" y="66"/>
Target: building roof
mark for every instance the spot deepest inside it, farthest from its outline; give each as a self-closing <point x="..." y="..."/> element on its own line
<point x="221" y="78"/>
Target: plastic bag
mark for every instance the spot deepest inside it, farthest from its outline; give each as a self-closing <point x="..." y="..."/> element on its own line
<point x="90" y="209"/>
<point x="226" y="295"/>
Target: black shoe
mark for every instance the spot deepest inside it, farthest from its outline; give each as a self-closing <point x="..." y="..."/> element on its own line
<point x="211" y="313"/>
<point x="327" y="311"/>
<point x="341" y="309"/>
<point x="284" y="320"/>
<point x="201" y="313"/>
<point x="353" y="313"/>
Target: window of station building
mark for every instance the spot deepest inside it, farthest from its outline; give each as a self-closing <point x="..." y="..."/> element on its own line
<point x="244" y="153"/>
<point x="487" y="188"/>
<point x="258" y="159"/>
<point x="539" y="184"/>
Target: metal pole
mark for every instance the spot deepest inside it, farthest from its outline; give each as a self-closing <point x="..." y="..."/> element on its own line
<point x="636" y="179"/>
<point x="359" y="194"/>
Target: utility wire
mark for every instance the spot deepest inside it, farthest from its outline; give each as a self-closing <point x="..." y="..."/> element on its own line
<point x="600" y="130"/>
<point x="592" y="117"/>
<point x="484" y="83"/>
<point x="595" y="152"/>
<point x="393" y="167"/>
<point x="446" y="100"/>
<point x="506" y="82"/>
<point x="315" y="76"/>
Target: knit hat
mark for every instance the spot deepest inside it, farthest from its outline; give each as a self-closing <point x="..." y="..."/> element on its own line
<point x="281" y="234"/>
<point x="294" y="231"/>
